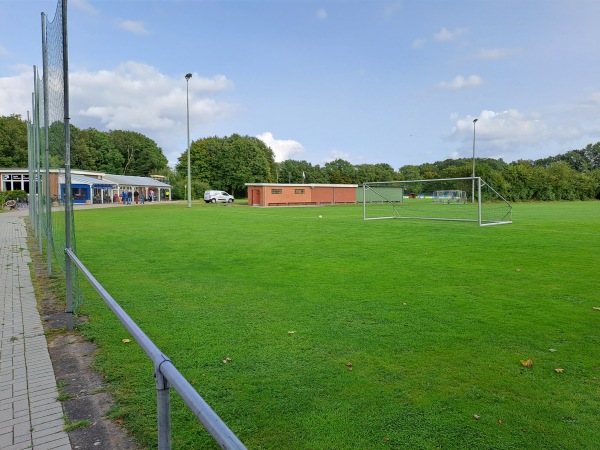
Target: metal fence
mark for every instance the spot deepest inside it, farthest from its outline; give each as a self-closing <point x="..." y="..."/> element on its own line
<point x="53" y="225"/>
<point x="166" y="375"/>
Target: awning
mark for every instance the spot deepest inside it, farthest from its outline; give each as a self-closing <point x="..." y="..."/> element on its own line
<point x="131" y="180"/>
<point x="90" y="181"/>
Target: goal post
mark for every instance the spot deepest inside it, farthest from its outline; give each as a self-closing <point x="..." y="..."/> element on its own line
<point x="435" y="199"/>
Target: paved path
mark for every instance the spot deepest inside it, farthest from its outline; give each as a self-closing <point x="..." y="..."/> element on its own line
<point x="30" y="415"/>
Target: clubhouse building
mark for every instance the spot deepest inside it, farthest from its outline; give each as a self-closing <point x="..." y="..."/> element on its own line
<point x="281" y="194"/>
<point x="88" y="187"/>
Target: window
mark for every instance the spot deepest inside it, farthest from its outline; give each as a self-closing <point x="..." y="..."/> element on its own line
<point x="299" y="191"/>
<point x="275" y="191"/>
<point x="79" y="193"/>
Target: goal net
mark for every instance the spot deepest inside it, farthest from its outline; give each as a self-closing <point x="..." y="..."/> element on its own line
<point x="468" y="199"/>
<point x="450" y="196"/>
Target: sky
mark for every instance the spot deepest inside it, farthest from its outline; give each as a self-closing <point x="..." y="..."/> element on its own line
<point x="368" y="81"/>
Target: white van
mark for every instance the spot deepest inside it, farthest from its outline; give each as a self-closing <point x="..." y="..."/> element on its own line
<point x="217" y="196"/>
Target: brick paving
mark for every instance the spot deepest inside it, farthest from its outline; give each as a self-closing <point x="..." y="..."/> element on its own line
<point x="31" y="417"/>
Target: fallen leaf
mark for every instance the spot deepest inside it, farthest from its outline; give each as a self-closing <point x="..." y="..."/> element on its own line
<point x="291" y="332"/>
<point x="349" y="366"/>
<point x="126" y="341"/>
<point x="552" y="350"/>
<point x="120" y="421"/>
<point x="386" y="438"/>
<point x="500" y="422"/>
<point x="597" y="308"/>
<point x="559" y="370"/>
<point x="226" y="360"/>
<point x="518" y="270"/>
<point x="476" y="416"/>
<point x="528" y="363"/>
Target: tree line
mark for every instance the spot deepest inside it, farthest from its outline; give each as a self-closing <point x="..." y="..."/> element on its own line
<point x="117" y="152"/>
<point x="228" y="163"/>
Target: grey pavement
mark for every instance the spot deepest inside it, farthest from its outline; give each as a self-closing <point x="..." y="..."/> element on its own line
<point x="31" y="417"/>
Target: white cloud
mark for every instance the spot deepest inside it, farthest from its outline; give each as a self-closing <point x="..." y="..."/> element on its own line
<point x="461" y="82"/>
<point x="390" y="9"/>
<point x="449" y="35"/>
<point x="510" y="133"/>
<point x="134" y="27"/>
<point x="15" y="93"/>
<point x="321" y="14"/>
<point x="497" y="53"/>
<point x="444" y="35"/>
<point x="85" y="6"/>
<point x="283" y="149"/>
<point x="337" y="154"/>
<point x="419" y="43"/>
<point x="135" y="97"/>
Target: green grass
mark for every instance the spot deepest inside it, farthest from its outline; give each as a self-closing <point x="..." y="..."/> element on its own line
<point x="71" y="426"/>
<point x="433" y="316"/>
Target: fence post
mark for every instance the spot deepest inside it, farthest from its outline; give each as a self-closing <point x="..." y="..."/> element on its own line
<point x="163" y="409"/>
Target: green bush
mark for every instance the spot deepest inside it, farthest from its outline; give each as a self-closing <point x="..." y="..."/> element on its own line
<point x="6" y="195"/>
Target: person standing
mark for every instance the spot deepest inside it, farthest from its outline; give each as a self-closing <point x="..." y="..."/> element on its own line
<point x="129" y="195"/>
<point x="124" y="198"/>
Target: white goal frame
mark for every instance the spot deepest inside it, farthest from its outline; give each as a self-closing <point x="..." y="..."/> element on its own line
<point x="487" y="207"/>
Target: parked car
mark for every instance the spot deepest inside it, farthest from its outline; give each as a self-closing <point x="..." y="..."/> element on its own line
<point x="217" y="196"/>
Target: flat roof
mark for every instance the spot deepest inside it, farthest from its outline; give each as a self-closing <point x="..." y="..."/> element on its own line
<point x="311" y="185"/>
<point x="90" y="181"/>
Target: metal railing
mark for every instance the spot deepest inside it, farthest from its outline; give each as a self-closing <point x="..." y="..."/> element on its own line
<point x="166" y="375"/>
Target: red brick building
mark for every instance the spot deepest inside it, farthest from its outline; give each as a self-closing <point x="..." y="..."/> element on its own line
<point x="277" y="194"/>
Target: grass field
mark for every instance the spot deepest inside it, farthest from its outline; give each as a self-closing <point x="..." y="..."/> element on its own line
<point x="352" y="334"/>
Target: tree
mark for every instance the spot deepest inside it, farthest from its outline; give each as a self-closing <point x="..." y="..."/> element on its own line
<point x="81" y="155"/>
<point x="291" y="171"/>
<point x="228" y="164"/>
<point x="250" y="161"/>
<point x="106" y="158"/>
<point x="13" y="141"/>
<point x="373" y="172"/>
<point x="340" y="171"/>
<point x="519" y="176"/>
<point x="592" y="154"/>
<point x="142" y="157"/>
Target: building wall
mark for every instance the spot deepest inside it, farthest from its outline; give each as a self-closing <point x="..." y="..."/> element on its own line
<point x="290" y="195"/>
<point x="271" y="194"/>
<point x="334" y="194"/>
<point x="27" y="185"/>
<point x="53" y="184"/>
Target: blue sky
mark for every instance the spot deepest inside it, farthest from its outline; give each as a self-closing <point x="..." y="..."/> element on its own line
<point x="369" y="81"/>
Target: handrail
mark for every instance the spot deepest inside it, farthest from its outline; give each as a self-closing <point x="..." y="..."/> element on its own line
<point x="165" y="370"/>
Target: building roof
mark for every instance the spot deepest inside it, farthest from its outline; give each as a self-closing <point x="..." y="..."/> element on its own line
<point x="129" y="180"/>
<point x="90" y="181"/>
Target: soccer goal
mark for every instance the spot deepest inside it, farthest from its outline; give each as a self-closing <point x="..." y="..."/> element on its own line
<point x="468" y="199"/>
<point x="450" y="196"/>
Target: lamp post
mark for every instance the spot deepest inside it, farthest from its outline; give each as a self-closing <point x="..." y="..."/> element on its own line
<point x="473" y="180"/>
<point x="189" y="172"/>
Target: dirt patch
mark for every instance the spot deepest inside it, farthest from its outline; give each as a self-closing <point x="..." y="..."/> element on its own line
<point x="82" y="389"/>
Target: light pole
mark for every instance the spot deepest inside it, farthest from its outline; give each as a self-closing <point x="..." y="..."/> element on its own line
<point x="473" y="180"/>
<point x="189" y="172"/>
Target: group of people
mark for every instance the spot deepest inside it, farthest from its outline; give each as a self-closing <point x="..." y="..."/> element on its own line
<point x="128" y="197"/>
